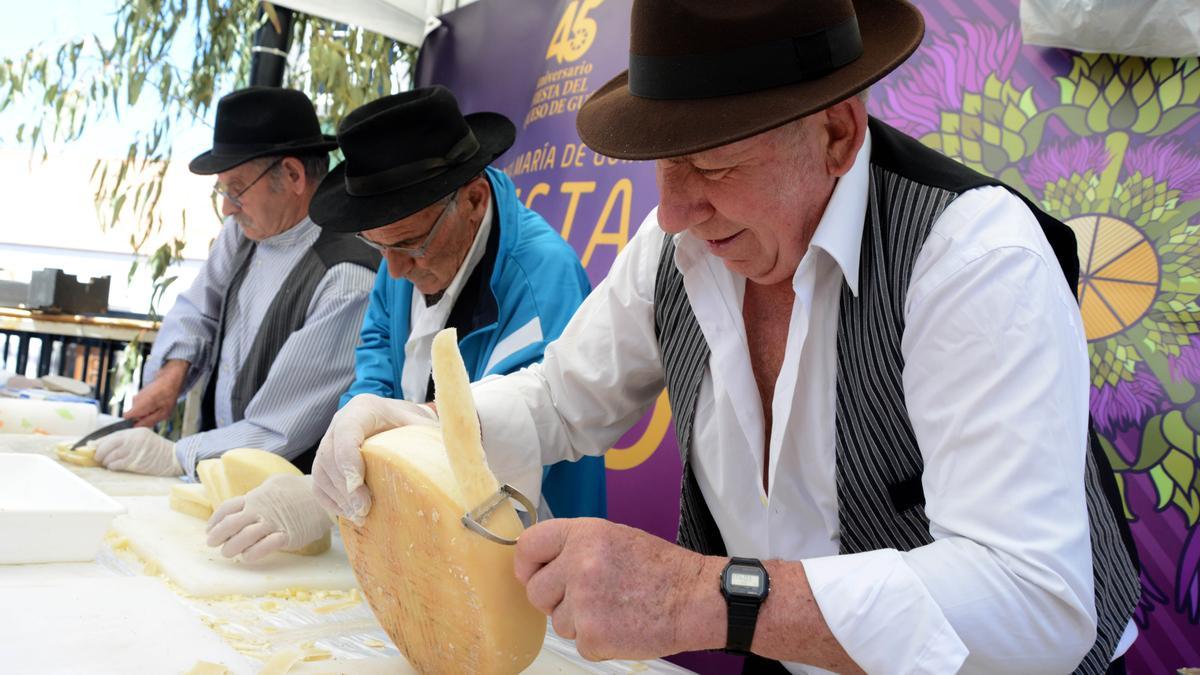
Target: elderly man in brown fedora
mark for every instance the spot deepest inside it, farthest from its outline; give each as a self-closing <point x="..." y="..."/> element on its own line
<point x="876" y="365"/>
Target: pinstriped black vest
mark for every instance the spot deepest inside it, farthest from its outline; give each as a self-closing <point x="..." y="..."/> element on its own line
<point x="285" y="315"/>
<point x="879" y="464"/>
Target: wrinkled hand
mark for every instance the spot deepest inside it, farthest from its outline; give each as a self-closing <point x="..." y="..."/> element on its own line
<point x="138" y="450"/>
<point x="617" y="591"/>
<point x="282" y="513"/>
<point x="155" y="402"/>
<point x="338" y="467"/>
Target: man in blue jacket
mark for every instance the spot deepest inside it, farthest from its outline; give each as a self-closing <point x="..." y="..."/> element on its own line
<point x="460" y="251"/>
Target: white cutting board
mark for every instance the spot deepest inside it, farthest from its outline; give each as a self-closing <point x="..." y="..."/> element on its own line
<point x="111" y="483"/>
<point x="104" y="626"/>
<point x="176" y="543"/>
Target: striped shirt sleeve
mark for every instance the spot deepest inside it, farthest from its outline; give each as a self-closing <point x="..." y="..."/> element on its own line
<point x="293" y="407"/>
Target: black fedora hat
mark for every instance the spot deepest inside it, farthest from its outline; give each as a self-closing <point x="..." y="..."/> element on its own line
<point x="403" y="153"/>
<point x="258" y="122"/>
<point x="705" y="73"/>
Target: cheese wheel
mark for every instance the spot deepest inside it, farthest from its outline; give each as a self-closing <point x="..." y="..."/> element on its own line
<point x="446" y="596"/>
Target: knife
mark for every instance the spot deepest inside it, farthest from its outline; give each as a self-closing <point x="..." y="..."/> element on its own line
<point x="104" y="431"/>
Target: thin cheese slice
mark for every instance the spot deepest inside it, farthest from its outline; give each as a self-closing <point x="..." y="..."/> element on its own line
<point x="446" y="596"/>
<point x="211" y="473"/>
<point x="460" y="423"/>
<point x="191" y="499"/>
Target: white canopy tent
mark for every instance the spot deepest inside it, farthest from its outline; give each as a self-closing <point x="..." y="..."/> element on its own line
<point x="405" y="20"/>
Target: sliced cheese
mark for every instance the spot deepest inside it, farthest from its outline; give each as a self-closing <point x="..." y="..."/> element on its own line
<point x="239" y="471"/>
<point x="208" y="668"/>
<point x="191" y="499"/>
<point x="446" y="596"/>
<point x="84" y="455"/>
<point x="247" y="468"/>
<point x="211" y="473"/>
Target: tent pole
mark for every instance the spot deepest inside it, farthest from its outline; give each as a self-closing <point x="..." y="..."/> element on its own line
<point x="270" y="49"/>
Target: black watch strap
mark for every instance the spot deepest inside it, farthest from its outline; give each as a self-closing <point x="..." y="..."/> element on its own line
<point x="741" y="606"/>
<point x="743" y="616"/>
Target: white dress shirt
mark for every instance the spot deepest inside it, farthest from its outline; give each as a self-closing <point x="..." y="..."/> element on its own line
<point x="425" y="321"/>
<point x="996" y="385"/>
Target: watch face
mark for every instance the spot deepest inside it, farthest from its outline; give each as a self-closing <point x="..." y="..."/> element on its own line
<point x="745" y="580"/>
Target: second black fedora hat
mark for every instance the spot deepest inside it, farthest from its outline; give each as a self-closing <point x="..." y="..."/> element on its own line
<point x="259" y="122"/>
<point x="403" y="153"/>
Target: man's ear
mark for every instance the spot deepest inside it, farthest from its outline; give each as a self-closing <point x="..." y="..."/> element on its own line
<point x="846" y="128"/>
<point x="294" y="178"/>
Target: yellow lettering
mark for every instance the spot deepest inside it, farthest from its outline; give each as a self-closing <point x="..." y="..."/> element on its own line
<point x="624" y="190"/>
<point x="575" y="188"/>
<point x="575" y="32"/>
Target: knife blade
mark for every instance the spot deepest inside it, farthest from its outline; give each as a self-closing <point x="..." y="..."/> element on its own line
<point x="104" y="431"/>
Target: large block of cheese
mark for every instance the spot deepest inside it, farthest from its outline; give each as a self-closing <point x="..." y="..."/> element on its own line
<point x="446" y="596"/>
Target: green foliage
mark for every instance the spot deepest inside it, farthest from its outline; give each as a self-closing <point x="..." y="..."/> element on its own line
<point x="92" y="78"/>
<point x="72" y="85"/>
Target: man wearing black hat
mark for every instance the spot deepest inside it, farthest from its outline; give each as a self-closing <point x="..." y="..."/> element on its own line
<point x="269" y="323"/>
<point x="461" y="251"/>
<point x="877" y="371"/>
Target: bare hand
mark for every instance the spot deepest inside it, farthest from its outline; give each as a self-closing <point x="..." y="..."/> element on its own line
<point x="155" y="402"/>
<point x="617" y="591"/>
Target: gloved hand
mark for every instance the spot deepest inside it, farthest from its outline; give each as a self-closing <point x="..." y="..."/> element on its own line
<point x="282" y="513"/>
<point x="338" y="467"/>
<point x="138" y="450"/>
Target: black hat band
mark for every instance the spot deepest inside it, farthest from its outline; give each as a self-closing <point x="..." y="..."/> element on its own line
<point x="238" y="149"/>
<point x="414" y="172"/>
<point x="762" y="66"/>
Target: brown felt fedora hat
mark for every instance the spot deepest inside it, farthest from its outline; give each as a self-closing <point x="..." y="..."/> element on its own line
<point x="704" y="73"/>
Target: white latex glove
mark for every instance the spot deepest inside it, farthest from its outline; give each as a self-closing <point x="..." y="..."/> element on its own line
<point x="282" y="513"/>
<point x="138" y="450"/>
<point x="338" y="467"/>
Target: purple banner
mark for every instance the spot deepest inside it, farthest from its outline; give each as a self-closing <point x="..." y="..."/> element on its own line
<point x="1106" y="143"/>
<point x="536" y="62"/>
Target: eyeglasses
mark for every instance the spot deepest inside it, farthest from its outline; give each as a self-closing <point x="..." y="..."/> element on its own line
<point x="418" y="252"/>
<point x="236" y="199"/>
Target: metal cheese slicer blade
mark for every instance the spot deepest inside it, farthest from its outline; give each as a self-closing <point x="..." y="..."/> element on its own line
<point x="473" y="520"/>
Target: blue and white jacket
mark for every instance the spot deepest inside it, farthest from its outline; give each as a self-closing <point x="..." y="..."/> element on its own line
<point x="536" y="285"/>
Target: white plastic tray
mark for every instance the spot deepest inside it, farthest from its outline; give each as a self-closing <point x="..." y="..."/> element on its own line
<point x="48" y="514"/>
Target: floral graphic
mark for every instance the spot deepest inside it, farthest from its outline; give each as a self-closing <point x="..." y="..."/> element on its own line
<point x="1110" y="145"/>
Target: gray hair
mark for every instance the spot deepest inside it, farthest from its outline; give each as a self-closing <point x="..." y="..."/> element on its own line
<point x="316" y="167"/>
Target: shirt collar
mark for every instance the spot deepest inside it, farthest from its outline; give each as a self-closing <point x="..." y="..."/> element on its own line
<point x="293" y="235"/>
<point x="840" y="231"/>
<point x="473" y="256"/>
